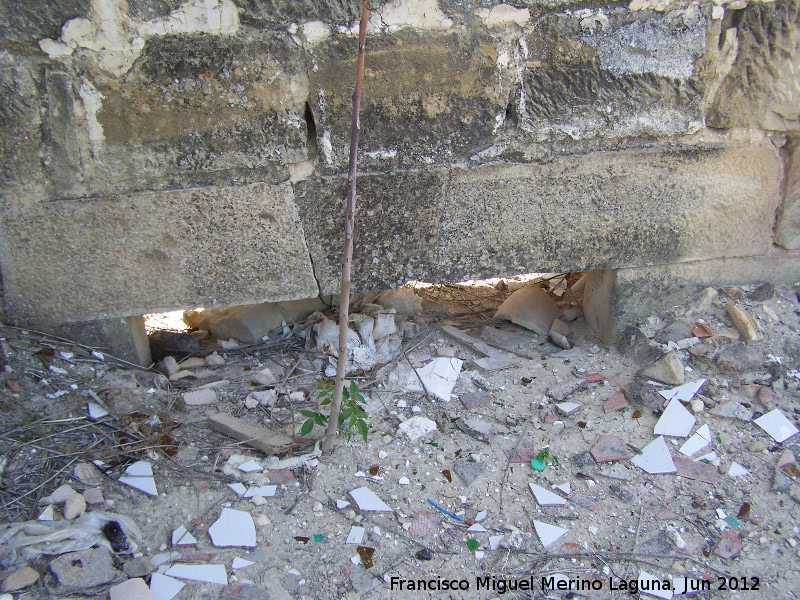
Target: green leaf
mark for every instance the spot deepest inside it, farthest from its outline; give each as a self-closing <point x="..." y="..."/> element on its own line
<point x="321" y="420"/>
<point x="362" y="429"/>
<point x="307" y="427"/>
<point x="325" y="402"/>
<point x="353" y="420"/>
<point x="308" y="413"/>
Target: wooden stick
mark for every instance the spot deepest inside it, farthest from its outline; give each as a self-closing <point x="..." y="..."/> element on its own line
<point x="344" y="298"/>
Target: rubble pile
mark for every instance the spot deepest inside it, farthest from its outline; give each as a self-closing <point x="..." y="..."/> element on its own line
<point x="506" y="451"/>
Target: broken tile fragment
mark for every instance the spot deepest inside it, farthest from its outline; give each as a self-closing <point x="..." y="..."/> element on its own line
<point x="473" y="399"/>
<point x="96" y="411"/>
<point x="205" y="573"/>
<point x="238" y="488"/>
<point x="564" y="389"/>
<point x="732" y="410"/>
<point x="250" y="466"/>
<point x="608" y="448"/>
<point x="711" y="456"/>
<point x="564" y="487"/>
<point x="476" y="528"/>
<point x="265" y="491"/>
<point x="497" y="362"/>
<point x="356" y="535"/>
<point x="683" y="392"/>
<point x="700" y="439"/>
<point x="615" y="402"/>
<point x="617" y="471"/>
<point x="737" y="470"/>
<point x="475" y="427"/>
<point x="522" y="454"/>
<point x="366" y="500"/>
<point x="652" y="586"/>
<point x="279" y="476"/>
<point x="140" y="476"/>
<point x="548" y="533"/>
<point x="676" y="421"/>
<point x="777" y="425"/>
<point x="467" y="470"/>
<point x="182" y="537"/>
<point x="545" y="497"/>
<point x="587" y="502"/>
<point x="655" y="457"/>
<point x="241" y="563"/>
<point x="531" y="307"/>
<point x="200" y="397"/>
<point x="132" y="589"/>
<point x="594" y="378"/>
<point x="567" y="408"/>
<point x="788" y="464"/>
<point x="692" y="469"/>
<point x="425" y="525"/>
<point x="494" y="542"/>
<point x="729" y="545"/>
<point x="233" y="528"/>
<point x="255" y="436"/>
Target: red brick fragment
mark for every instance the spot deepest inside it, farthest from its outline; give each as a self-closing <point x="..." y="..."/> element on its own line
<point x="608" y="448"/>
<point x="695" y="469"/>
<point x="615" y="402"/>
<point x="729" y="545"/>
<point x="594" y="378"/>
<point x="522" y="455"/>
<point x="279" y="476"/>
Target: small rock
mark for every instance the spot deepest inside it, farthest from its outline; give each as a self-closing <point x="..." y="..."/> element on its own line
<point x="762" y="293"/>
<point x="403" y="481"/>
<point x="250" y="402"/>
<point x="74" y="506"/>
<point x="214" y="359"/>
<point x="468" y="471"/>
<point x="416" y="427"/>
<point x="739" y="358"/>
<point x="140" y="566"/>
<point x="623" y="494"/>
<point x="88" y="474"/>
<point x="264" y="377"/>
<point x="780" y="482"/>
<point x="562" y="390"/>
<point x="697" y="405"/>
<point x="608" y="448"/>
<point x="757" y="446"/>
<point x="170" y="366"/>
<point x="317" y="506"/>
<point x="84" y="569"/>
<point x="200" y="397"/>
<point x="133" y="589"/>
<point x="60" y="495"/>
<point x="19" y="579"/>
<point x="667" y="369"/>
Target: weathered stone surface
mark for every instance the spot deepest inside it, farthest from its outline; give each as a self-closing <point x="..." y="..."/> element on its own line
<point x="614" y="299"/>
<point x="29" y="21"/>
<point x="74" y="260"/>
<point x="85" y="569"/>
<point x="450" y="89"/>
<point x="531" y="307"/>
<point x="761" y="88"/>
<point x="787" y="227"/>
<point x="123" y="337"/>
<point x="739" y="358"/>
<point x="611" y="73"/>
<point x="19" y="579"/>
<point x="667" y="369"/>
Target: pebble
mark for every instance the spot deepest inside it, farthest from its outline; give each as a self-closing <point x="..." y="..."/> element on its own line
<point x="317" y="506"/>
<point x="74" y="506"/>
<point x="387" y="438"/>
<point x="383" y="454"/>
<point x="757" y="446"/>
<point x="403" y="481"/>
<point x="449" y="494"/>
<point x="250" y="403"/>
<point x="19" y="579"/>
<point x="698" y="405"/>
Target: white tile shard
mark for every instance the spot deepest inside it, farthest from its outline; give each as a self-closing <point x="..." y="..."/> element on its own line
<point x="676" y="420"/>
<point x="700" y="439"/>
<point x="356" y="535"/>
<point x="241" y="563"/>
<point x="564" y="487"/>
<point x="737" y="470"/>
<point x="250" y="466"/>
<point x="163" y="587"/>
<point x="568" y="408"/>
<point x="683" y="392"/>
<point x="481" y="516"/>
<point x="205" y="573"/>
<point x="182" y="537"/>
<point x="546" y="497"/>
<point x="416" y="427"/>
<point x="476" y="528"/>
<point x="265" y="491"/>
<point x="548" y="533"/>
<point x="655" y="458"/>
<point x="238" y="488"/>
<point x="439" y="376"/>
<point x="140" y="476"/>
<point x="777" y="425"/>
<point x="494" y="541"/>
<point x="233" y="528"/>
<point x="709" y="457"/>
<point x="366" y="500"/>
<point x="342" y="504"/>
<point x="96" y="411"/>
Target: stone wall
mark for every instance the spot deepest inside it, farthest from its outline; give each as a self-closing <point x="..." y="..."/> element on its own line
<point x="160" y="155"/>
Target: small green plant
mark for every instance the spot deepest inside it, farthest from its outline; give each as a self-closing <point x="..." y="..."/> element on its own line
<point x="351" y="415"/>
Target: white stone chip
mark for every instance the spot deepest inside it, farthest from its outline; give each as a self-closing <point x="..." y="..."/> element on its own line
<point x="241" y="563"/>
<point x="568" y="408"/>
<point x="494" y="541"/>
<point x="548" y="533"/>
<point x="47" y="514"/>
<point x="439" y="376"/>
<point x="655" y="458"/>
<point x="564" y="487"/>
<point x="416" y="427"/>
<point x="676" y="420"/>
<point x="700" y="439"/>
<point x="477" y="528"/>
<point x="205" y="573"/>
<point x="546" y="497"/>
<point x="737" y="470"/>
<point x="140" y="476"/>
<point x="342" y="504"/>
<point x="163" y="587"/>
<point x="777" y="425"/>
<point x="233" y="528"/>
<point x="367" y="500"/>
<point x="356" y="535"/>
<point x="481" y="516"/>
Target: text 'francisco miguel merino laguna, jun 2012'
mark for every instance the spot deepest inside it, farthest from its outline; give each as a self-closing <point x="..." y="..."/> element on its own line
<point x="554" y="582"/>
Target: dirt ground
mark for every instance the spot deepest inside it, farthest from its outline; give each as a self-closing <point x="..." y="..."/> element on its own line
<point x="738" y="533"/>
